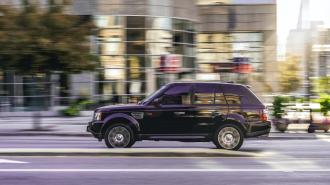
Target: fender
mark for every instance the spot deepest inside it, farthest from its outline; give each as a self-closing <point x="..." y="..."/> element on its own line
<point x="129" y="118"/>
<point x="237" y="118"/>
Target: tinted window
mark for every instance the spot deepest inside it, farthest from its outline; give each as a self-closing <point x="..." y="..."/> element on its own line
<point x="252" y="99"/>
<point x="219" y="96"/>
<point x="233" y="99"/>
<point x="177" y="95"/>
<point x="204" y="94"/>
<point x="236" y="94"/>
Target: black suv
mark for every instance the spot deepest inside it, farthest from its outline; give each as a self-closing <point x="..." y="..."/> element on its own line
<point x="224" y="113"/>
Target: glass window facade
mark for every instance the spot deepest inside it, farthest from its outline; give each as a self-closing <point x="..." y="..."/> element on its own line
<point x="129" y="46"/>
<point x="228" y="48"/>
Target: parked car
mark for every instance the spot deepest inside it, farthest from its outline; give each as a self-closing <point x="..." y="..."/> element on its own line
<point x="223" y="113"/>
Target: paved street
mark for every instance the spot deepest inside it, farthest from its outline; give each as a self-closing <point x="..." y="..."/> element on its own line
<point x="260" y="161"/>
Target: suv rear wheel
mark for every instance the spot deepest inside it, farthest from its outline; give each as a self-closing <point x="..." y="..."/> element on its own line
<point x="119" y="136"/>
<point x="229" y="137"/>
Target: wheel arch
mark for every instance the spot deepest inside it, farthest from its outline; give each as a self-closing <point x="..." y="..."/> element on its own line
<point x="233" y="120"/>
<point x="120" y="118"/>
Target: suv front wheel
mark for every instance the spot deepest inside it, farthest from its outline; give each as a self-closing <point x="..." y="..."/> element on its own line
<point x="119" y="136"/>
<point x="229" y="137"/>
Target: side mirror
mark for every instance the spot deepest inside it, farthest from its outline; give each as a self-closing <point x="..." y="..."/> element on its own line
<point x="157" y="102"/>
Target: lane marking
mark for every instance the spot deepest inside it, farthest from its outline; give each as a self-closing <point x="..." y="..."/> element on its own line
<point x="323" y="137"/>
<point x="12" y="161"/>
<point x="165" y="170"/>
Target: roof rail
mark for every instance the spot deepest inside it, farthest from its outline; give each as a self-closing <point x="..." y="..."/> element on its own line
<point x="230" y="82"/>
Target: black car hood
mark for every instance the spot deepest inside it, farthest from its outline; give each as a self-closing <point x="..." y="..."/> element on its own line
<point x="122" y="107"/>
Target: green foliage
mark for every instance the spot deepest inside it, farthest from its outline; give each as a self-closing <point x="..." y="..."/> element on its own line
<point x="71" y="111"/>
<point x="75" y="108"/>
<point x="324" y="101"/>
<point x="33" y="40"/>
<point x="289" y="75"/>
<point x="278" y="106"/>
<point x="322" y="85"/>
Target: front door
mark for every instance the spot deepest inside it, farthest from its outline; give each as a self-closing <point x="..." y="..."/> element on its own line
<point x="173" y="116"/>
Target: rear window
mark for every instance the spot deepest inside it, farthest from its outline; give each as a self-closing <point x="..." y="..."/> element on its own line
<point x="239" y="95"/>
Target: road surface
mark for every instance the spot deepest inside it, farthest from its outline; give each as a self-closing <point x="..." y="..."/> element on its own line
<point x="274" y="162"/>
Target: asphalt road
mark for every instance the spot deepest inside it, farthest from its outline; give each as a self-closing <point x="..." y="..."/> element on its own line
<point x="294" y="161"/>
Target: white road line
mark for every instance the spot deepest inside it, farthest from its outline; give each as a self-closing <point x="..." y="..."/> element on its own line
<point x="12" y="161"/>
<point x="165" y="170"/>
<point x="323" y="137"/>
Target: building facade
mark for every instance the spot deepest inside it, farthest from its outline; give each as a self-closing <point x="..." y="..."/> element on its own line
<point x="136" y="38"/>
<point x="143" y="44"/>
<point x="237" y="42"/>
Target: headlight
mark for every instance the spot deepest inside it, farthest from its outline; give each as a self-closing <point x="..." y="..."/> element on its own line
<point x="98" y="116"/>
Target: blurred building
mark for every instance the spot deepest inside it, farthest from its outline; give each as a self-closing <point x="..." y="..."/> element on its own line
<point x="299" y="44"/>
<point x="321" y="52"/>
<point x="138" y="42"/>
<point x="143" y="44"/>
<point x="237" y="42"/>
<point x="310" y="42"/>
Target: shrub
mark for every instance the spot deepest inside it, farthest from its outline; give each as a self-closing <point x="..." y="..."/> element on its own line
<point x="278" y="106"/>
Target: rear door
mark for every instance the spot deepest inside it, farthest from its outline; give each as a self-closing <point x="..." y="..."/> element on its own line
<point x="210" y="106"/>
<point x="243" y="104"/>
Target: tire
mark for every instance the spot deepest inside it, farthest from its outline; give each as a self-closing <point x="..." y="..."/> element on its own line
<point x="229" y="137"/>
<point x="119" y="136"/>
<point x="310" y="130"/>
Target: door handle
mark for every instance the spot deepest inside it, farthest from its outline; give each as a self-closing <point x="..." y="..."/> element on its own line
<point x="180" y="113"/>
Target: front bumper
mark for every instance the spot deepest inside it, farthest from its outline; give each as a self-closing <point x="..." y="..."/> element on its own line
<point x="258" y="129"/>
<point x="95" y="128"/>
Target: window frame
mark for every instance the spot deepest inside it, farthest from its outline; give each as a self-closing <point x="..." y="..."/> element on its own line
<point x="216" y="87"/>
<point x="194" y="92"/>
<point x="178" y="105"/>
<point x="220" y="88"/>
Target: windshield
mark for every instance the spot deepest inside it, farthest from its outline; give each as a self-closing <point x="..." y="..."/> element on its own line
<point x="151" y="96"/>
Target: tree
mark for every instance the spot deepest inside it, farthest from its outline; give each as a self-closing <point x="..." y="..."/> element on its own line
<point x="322" y="85"/>
<point x="290" y="79"/>
<point x="34" y="40"/>
<point x="324" y="101"/>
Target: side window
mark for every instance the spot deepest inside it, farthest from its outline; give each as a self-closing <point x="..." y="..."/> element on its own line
<point x="219" y="96"/>
<point x="233" y="99"/>
<point x="177" y="95"/>
<point x="237" y="94"/>
<point x="204" y="94"/>
<point x="232" y="94"/>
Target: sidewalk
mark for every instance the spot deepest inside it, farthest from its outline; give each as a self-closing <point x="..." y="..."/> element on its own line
<point x="57" y="126"/>
<point x="76" y="126"/>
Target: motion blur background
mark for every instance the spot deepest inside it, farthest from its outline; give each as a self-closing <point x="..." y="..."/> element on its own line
<point x="64" y="56"/>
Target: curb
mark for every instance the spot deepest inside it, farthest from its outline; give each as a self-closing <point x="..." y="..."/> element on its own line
<point x="134" y="152"/>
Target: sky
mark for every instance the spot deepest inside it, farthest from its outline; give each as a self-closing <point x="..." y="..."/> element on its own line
<point x="287" y="17"/>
